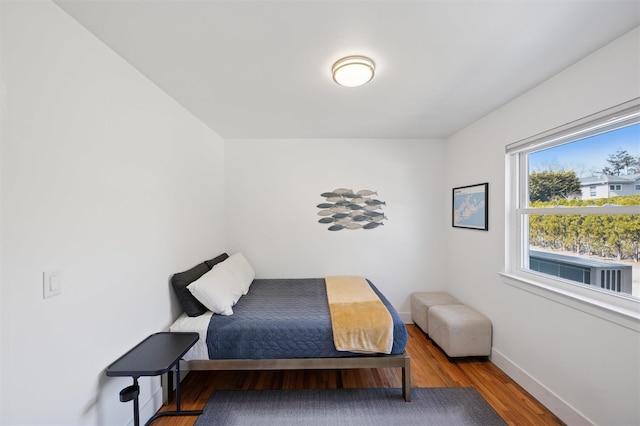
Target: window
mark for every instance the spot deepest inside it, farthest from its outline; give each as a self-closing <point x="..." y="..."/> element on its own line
<point x="565" y="235"/>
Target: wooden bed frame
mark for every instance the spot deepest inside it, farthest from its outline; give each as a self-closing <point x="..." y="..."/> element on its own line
<point x="379" y="361"/>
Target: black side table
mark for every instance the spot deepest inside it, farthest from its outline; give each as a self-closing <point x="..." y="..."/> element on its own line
<point x="155" y="355"/>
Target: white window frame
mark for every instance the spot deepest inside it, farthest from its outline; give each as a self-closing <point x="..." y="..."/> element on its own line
<point x="619" y="308"/>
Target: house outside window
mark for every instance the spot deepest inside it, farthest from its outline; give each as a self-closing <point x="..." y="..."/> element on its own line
<point x="566" y="231"/>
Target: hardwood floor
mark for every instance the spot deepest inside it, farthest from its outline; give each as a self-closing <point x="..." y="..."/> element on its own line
<point x="430" y="367"/>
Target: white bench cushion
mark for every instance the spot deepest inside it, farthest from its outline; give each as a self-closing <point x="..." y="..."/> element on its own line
<point x="421" y="302"/>
<point x="460" y="330"/>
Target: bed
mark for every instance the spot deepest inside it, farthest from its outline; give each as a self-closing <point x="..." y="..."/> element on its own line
<point x="280" y="324"/>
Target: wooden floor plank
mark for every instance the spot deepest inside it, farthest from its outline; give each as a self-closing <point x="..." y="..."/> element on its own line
<point x="430" y="367"/>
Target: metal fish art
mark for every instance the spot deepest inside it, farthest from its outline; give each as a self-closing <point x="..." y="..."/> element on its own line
<point x="373" y="214"/>
<point x="359" y="200"/>
<point x="342" y="191"/>
<point x="340" y="215"/>
<point x="372" y="225"/>
<point x="348" y="209"/>
<point x="353" y="225"/>
<point x="325" y="205"/>
<point x="339" y="209"/>
<point x="378" y="218"/>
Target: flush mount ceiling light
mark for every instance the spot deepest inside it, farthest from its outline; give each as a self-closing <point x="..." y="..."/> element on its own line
<point x="353" y="71"/>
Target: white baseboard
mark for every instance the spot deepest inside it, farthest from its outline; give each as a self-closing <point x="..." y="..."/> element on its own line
<point x="406" y="317"/>
<point x="555" y="404"/>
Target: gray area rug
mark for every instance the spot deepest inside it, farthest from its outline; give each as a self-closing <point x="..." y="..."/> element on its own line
<point x="428" y="406"/>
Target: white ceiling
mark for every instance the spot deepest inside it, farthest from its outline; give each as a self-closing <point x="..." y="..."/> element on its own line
<point x="261" y="69"/>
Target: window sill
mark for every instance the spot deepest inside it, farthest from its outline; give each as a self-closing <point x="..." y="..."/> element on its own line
<point x="620" y="310"/>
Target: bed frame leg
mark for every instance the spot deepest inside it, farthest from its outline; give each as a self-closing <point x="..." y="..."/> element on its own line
<point x="406" y="379"/>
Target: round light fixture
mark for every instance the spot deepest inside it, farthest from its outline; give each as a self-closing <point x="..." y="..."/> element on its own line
<point x="353" y="71"/>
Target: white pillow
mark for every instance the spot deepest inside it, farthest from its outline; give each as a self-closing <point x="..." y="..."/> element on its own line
<point x="218" y="290"/>
<point x="238" y="265"/>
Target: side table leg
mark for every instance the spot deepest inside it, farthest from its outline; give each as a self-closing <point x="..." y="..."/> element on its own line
<point x="178" y="411"/>
<point x="136" y="407"/>
<point x="178" y="386"/>
<point x="131" y="393"/>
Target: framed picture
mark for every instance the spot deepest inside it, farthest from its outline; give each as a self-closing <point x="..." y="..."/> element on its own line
<point x="471" y="207"/>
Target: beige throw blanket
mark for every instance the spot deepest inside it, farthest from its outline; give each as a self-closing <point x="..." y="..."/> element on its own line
<point x="360" y="321"/>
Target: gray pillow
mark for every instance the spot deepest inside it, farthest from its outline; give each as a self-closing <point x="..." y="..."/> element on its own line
<point x="213" y="262"/>
<point x="180" y="281"/>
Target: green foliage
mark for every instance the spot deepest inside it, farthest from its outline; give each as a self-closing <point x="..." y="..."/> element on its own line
<point x="614" y="236"/>
<point x="619" y="162"/>
<point x="549" y="185"/>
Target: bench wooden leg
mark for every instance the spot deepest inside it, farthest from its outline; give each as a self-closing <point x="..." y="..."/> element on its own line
<point x="406" y="379"/>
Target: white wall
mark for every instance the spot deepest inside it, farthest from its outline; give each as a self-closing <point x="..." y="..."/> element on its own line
<point x="106" y="179"/>
<point x="583" y="367"/>
<point x="274" y="186"/>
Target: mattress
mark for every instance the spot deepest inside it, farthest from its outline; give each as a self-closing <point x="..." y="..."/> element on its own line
<point x="277" y="318"/>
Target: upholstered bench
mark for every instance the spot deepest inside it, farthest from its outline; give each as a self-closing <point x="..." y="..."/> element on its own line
<point x="421" y="302"/>
<point x="459" y="330"/>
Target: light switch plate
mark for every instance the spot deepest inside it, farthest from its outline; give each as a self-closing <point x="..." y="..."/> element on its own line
<point x="51" y="285"/>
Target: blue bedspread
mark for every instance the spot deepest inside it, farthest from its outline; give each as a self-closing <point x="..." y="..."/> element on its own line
<point x="284" y="318"/>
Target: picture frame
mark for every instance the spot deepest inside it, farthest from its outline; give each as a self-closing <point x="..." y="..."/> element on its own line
<point x="470" y="207"/>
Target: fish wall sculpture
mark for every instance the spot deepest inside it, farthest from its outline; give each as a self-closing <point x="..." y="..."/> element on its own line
<point x="345" y="208"/>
